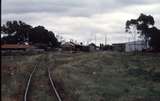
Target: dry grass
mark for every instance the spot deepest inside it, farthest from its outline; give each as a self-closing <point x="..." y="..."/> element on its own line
<point x="105" y="76"/>
<point x="101" y="76"/>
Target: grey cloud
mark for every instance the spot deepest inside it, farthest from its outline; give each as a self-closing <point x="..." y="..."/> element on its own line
<point x="79" y="19"/>
<point x="67" y="7"/>
<point x="138" y="1"/>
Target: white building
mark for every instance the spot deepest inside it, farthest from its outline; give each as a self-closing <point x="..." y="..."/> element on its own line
<point x="3" y="34"/>
<point x="136" y="46"/>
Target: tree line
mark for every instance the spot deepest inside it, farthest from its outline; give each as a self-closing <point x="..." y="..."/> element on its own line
<point x="26" y="33"/>
<point x="144" y="26"/>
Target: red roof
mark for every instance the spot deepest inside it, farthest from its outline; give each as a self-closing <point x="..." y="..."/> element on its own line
<point x="16" y="46"/>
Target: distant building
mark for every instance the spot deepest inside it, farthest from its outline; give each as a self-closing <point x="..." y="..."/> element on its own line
<point x="68" y="46"/>
<point x="106" y="47"/>
<point x="139" y="45"/>
<point x="119" y="47"/>
<point x="74" y="47"/>
<point x="92" y="47"/>
<point x="136" y="46"/>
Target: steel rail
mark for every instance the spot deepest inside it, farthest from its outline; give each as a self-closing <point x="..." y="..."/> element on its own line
<point x="28" y="84"/>
<point x="54" y="88"/>
<point x="51" y="81"/>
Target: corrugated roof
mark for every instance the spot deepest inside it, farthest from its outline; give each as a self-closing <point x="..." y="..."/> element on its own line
<point x="16" y="46"/>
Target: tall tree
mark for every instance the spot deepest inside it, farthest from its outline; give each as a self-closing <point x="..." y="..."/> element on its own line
<point x="144" y="25"/>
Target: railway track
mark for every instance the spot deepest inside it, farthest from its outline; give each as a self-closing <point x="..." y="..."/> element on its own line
<point x="51" y="86"/>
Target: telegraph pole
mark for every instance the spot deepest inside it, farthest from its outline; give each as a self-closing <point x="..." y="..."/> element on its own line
<point x="95" y="39"/>
<point x="105" y="39"/>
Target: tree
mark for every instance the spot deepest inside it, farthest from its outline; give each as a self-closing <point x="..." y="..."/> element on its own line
<point x="20" y="29"/>
<point x="40" y="35"/>
<point x="144" y="25"/>
<point x="155" y="38"/>
<point x="24" y="32"/>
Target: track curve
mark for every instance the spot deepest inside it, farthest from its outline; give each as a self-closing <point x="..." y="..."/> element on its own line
<point x="53" y="87"/>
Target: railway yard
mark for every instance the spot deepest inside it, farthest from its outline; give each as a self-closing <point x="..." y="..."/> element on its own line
<point x="97" y="76"/>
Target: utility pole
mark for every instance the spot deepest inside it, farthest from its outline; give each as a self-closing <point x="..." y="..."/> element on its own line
<point x="105" y="39"/>
<point x="95" y="39"/>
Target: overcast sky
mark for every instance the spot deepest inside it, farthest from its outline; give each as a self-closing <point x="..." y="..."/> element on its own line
<point x="81" y="20"/>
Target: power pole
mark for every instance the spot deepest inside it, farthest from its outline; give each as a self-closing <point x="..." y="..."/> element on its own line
<point x="105" y="39"/>
<point x="95" y="39"/>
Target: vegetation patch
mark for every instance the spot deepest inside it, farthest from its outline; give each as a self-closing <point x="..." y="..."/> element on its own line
<point x="97" y="76"/>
